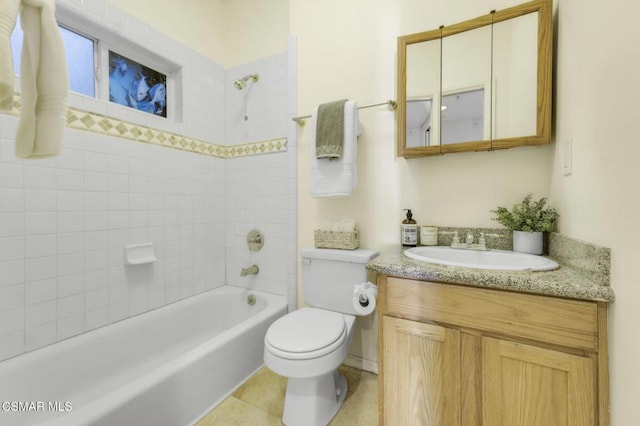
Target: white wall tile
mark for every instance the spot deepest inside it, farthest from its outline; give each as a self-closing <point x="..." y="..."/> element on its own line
<point x="70" y="221"/>
<point x="70" y="159"/>
<point x="96" y="318"/>
<point x="70" y="306"/>
<point x="71" y="263"/>
<point x="40" y="291"/>
<point x="96" y="299"/>
<point x="70" y="200"/>
<point x="12" y="248"/>
<point x="36" y="177"/>
<point x="96" y="221"/>
<point x="40" y="223"/>
<point x="41" y="245"/>
<point x="40" y="200"/>
<point x="11" y="321"/>
<point x="39" y="336"/>
<point x="11" y="345"/>
<point x="11" y="224"/>
<point x="70" y="326"/>
<point x="69" y="179"/>
<point x="40" y="268"/>
<point x="96" y="181"/>
<point x="69" y="285"/>
<point x="12" y="272"/>
<point x="95" y="200"/>
<point x="11" y="176"/>
<point x="11" y="200"/>
<point x="12" y="297"/>
<point x="40" y="313"/>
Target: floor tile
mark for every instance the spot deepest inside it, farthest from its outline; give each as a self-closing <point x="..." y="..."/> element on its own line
<point x="234" y="412"/>
<point x="264" y="390"/>
<point x="260" y="401"/>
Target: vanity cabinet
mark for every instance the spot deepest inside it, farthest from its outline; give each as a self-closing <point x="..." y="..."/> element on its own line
<point x="459" y="355"/>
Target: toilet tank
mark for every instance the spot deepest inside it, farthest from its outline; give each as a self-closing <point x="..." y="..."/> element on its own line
<point x="328" y="276"/>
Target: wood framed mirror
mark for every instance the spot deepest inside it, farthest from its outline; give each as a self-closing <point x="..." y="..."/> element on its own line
<point x="478" y="85"/>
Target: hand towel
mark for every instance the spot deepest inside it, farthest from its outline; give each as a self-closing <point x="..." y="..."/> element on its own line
<point x="330" y="130"/>
<point x="337" y="177"/>
<point x="8" y="15"/>
<point x="44" y="82"/>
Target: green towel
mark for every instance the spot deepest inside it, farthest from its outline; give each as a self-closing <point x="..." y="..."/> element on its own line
<point x="330" y="129"/>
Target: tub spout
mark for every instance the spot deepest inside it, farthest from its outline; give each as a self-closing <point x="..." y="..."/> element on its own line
<point x="251" y="270"/>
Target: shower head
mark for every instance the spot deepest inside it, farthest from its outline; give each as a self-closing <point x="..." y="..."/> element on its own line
<point x="242" y="83"/>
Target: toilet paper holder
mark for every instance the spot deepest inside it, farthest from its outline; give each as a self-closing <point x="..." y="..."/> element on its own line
<point x="364" y="298"/>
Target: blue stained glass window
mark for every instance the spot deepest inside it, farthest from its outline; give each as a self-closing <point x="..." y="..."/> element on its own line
<point x="79" y="51"/>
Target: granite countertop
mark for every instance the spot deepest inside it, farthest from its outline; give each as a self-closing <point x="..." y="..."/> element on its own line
<point x="563" y="282"/>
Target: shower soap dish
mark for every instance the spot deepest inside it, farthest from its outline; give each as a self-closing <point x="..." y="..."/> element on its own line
<point x="139" y="254"/>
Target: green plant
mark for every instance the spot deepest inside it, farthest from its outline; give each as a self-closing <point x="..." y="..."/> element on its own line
<point x="527" y="216"/>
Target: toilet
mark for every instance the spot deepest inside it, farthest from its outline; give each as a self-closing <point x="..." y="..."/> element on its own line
<point x="308" y="345"/>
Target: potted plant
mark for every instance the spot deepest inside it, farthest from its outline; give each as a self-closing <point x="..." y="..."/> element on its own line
<point x="528" y="220"/>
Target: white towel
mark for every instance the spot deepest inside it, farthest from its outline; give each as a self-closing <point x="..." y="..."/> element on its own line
<point x="44" y="82"/>
<point x="336" y="177"/>
<point x="8" y="15"/>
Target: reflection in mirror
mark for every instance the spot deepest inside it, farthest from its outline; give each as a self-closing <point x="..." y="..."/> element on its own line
<point x="501" y="63"/>
<point x="515" y="77"/>
<point x="419" y="122"/>
<point x="463" y="116"/>
<point x="466" y="63"/>
<point x="423" y="86"/>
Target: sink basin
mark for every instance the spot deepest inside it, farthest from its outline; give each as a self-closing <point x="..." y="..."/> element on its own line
<point x="500" y="260"/>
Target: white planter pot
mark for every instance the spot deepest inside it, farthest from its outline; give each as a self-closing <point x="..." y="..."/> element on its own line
<point x="527" y="242"/>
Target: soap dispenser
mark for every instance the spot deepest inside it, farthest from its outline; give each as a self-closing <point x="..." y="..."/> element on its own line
<point x="409" y="231"/>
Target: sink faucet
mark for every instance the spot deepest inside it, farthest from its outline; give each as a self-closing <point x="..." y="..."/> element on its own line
<point x="251" y="270"/>
<point x="469" y="239"/>
<point x="468" y="243"/>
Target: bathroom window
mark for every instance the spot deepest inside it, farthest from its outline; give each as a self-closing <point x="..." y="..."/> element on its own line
<point x="110" y="68"/>
<point x="137" y="86"/>
<point x="80" y="59"/>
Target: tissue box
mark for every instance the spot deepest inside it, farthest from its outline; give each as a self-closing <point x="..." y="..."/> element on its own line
<point x="337" y="240"/>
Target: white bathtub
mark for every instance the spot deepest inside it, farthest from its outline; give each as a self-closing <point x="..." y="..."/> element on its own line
<point x="165" y="367"/>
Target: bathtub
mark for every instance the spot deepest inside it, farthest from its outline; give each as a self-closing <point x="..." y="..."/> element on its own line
<point x="165" y="367"/>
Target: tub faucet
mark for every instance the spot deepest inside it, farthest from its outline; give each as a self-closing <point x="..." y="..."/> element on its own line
<point x="251" y="270"/>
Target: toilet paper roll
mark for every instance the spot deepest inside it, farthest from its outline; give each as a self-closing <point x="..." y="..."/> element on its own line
<point x="364" y="298"/>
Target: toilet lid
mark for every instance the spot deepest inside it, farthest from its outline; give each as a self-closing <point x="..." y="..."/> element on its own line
<point x="306" y="330"/>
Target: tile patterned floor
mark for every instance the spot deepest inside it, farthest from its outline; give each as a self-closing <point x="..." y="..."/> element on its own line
<point x="260" y="401"/>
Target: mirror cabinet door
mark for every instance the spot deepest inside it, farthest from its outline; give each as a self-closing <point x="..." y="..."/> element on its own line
<point x="477" y="85"/>
<point x="515" y="76"/>
<point x="423" y="94"/>
<point x="466" y="88"/>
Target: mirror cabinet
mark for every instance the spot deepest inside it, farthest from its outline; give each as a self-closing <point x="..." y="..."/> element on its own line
<point x="477" y="85"/>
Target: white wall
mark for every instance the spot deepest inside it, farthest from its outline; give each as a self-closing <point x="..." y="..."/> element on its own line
<point x="201" y="25"/>
<point x="231" y="33"/>
<point x="597" y="92"/>
<point x="352" y="54"/>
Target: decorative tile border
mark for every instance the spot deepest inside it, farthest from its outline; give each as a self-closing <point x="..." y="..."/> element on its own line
<point x="97" y="123"/>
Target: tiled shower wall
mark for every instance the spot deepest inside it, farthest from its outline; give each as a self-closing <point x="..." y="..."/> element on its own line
<point x="64" y="221"/>
<point x="261" y="189"/>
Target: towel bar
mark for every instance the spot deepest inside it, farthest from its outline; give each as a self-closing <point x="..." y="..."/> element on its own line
<point x="301" y="120"/>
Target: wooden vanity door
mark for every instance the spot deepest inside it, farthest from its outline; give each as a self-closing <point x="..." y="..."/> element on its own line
<point x="422" y="374"/>
<point x="525" y="385"/>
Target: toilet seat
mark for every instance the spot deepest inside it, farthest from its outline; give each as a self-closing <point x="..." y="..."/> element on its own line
<point x="306" y="334"/>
